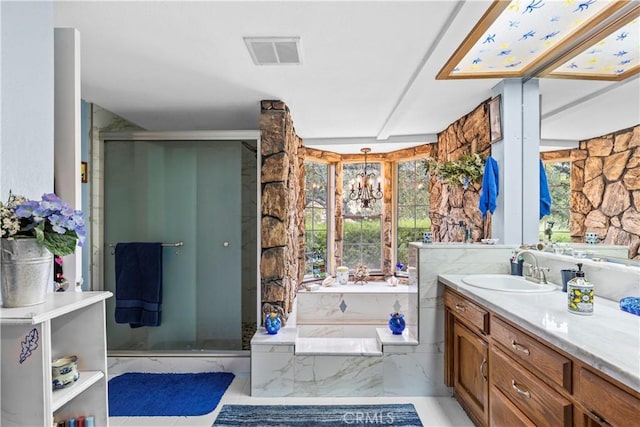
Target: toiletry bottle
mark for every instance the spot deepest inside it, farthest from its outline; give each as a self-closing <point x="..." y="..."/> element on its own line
<point x="580" y="294"/>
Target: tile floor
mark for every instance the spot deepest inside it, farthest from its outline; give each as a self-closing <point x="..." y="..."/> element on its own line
<point x="433" y="411"/>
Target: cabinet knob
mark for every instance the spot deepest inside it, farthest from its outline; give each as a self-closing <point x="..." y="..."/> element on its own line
<point x="460" y="307"/>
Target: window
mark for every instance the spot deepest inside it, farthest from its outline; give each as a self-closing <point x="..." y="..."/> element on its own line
<point x="315" y="219"/>
<point x="556" y="225"/>
<point x="362" y="228"/>
<point x="413" y="207"/>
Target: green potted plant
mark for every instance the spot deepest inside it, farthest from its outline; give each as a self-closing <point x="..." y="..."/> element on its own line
<point x="467" y="169"/>
<point x="31" y="233"/>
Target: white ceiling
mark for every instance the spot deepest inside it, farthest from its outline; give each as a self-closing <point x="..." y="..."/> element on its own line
<point x="367" y="75"/>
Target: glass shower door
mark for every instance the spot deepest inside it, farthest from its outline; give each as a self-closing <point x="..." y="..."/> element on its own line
<point x="179" y="191"/>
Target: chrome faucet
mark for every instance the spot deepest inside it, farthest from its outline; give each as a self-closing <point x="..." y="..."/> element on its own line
<point x="536" y="273"/>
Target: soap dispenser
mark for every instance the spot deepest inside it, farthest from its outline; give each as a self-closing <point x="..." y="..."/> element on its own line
<point x="580" y="294"/>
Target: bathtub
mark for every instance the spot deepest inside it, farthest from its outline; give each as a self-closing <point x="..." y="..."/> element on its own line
<point x="354" y="310"/>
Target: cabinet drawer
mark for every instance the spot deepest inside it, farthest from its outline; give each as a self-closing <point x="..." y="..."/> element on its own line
<point x="504" y="413"/>
<point x="467" y="311"/>
<point x="532" y="353"/>
<point x="539" y="402"/>
<point x="606" y="401"/>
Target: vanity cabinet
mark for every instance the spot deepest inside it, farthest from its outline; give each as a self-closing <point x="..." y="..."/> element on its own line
<point x="470" y="359"/>
<point x="503" y="375"/>
<point x="470" y="355"/>
<point x="67" y="324"/>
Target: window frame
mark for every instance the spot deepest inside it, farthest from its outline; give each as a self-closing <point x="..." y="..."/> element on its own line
<point x="396" y="205"/>
<point x="379" y="212"/>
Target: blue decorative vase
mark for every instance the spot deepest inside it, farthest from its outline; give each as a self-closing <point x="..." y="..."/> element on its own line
<point x="272" y="323"/>
<point x="396" y="323"/>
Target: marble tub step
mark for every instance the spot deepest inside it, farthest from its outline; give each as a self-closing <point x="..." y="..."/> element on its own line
<point x="338" y="346"/>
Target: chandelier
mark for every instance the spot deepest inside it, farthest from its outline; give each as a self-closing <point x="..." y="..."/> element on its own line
<point x="365" y="193"/>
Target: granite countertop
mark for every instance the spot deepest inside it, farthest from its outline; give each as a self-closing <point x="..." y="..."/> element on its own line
<point x="608" y="340"/>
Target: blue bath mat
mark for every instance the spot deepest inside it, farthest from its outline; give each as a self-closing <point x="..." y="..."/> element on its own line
<point x="161" y="395"/>
<point x="317" y="415"/>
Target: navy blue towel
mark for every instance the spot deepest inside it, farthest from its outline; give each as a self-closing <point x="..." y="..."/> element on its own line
<point x="545" y="197"/>
<point x="490" y="187"/>
<point x="138" y="284"/>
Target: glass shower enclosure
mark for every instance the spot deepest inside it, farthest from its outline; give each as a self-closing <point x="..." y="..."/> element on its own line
<point x="189" y="196"/>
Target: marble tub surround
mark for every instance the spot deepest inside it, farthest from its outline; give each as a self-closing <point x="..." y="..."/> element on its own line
<point x="354" y="310"/>
<point x="411" y="364"/>
<point x="608" y="340"/>
<point x="338" y="346"/>
<point x="611" y="281"/>
<point x="340" y="367"/>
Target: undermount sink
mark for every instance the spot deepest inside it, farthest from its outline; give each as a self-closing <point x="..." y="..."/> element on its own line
<point x="505" y="283"/>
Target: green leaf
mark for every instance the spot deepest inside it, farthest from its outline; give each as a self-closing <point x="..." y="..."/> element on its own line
<point x="39" y="231"/>
<point x="60" y="244"/>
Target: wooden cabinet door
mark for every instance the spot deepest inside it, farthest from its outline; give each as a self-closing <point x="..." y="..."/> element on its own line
<point x="471" y="372"/>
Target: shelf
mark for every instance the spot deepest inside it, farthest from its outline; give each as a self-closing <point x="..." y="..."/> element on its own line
<point x="62" y="396"/>
<point x="56" y="304"/>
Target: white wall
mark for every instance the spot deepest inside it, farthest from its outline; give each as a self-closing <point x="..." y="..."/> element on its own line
<point x="26" y="89"/>
<point x="67" y="134"/>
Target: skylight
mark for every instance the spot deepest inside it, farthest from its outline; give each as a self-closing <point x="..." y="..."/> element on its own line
<point x="617" y="55"/>
<point x="516" y="37"/>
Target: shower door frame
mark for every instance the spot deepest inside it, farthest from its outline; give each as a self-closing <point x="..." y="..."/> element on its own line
<point x="100" y="249"/>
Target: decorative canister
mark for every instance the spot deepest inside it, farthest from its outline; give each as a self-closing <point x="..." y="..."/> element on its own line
<point x="592" y="238"/>
<point x="342" y="274"/>
<point x="272" y="323"/>
<point x="26" y="272"/>
<point x="64" y="371"/>
<point x="580" y="294"/>
<point x="396" y="323"/>
<point x="427" y="237"/>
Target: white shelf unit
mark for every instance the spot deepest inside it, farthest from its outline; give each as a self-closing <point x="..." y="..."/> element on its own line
<point x="68" y="323"/>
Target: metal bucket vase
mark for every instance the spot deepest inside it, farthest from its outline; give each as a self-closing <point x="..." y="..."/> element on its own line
<point x="26" y="272"/>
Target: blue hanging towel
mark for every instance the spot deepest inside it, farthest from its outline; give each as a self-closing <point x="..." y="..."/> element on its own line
<point x="138" y="284"/>
<point x="490" y="187"/>
<point x="545" y="197"/>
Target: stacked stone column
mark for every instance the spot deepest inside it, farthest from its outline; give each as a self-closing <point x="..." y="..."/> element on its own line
<point x="450" y="204"/>
<point x="282" y="216"/>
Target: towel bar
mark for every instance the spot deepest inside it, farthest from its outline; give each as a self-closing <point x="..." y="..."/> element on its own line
<point x="172" y="245"/>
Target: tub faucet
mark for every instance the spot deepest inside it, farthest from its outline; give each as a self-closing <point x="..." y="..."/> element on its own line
<point x="535" y="272"/>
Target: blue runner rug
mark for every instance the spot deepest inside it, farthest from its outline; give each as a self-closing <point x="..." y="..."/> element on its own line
<point x="317" y="415"/>
<point x="157" y="395"/>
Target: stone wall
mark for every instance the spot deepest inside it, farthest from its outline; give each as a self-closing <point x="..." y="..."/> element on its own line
<point x="282" y="216"/>
<point x="605" y="189"/>
<point x="450" y="204"/>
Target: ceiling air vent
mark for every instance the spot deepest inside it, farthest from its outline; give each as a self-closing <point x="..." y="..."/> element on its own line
<point x="274" y="50"/>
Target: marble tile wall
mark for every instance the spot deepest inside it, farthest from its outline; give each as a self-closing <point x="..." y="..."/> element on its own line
<point x="420" y="371"/>
<point x="610" y="281"/>
<point x="358" y="308"/>
<point x="338" y="376"/>
<point x="272" y="370"/>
